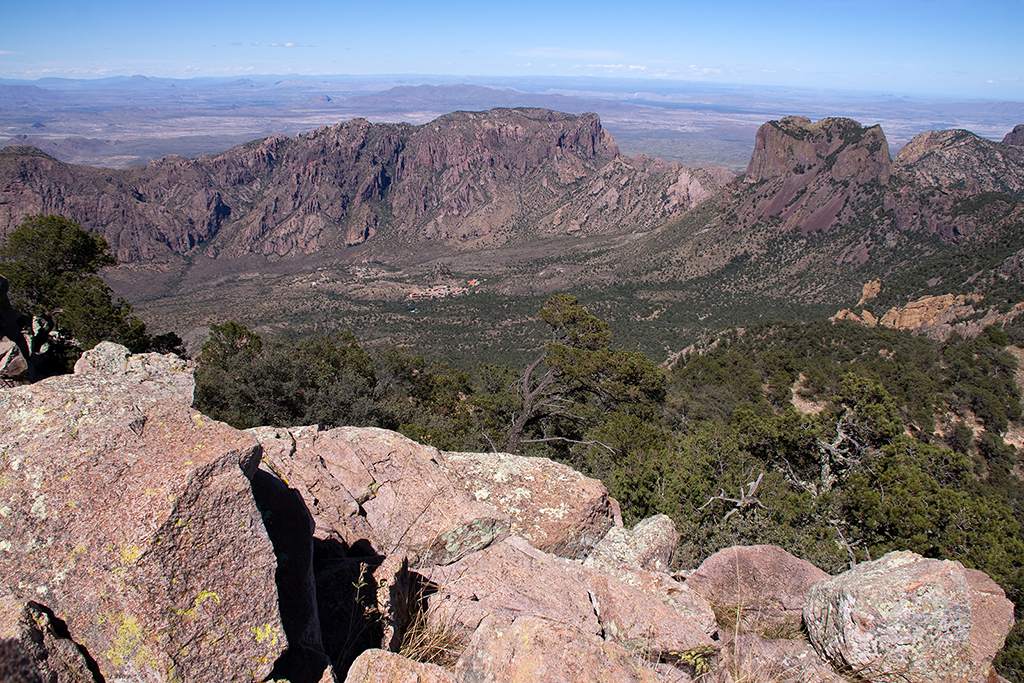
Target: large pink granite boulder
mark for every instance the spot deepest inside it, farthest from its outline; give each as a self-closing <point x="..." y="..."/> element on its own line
<point x="650" y="546"/>
<point x="749" y="657"/>
<point x="911" y="618"/>
<point x="376" y="487"/>
<point x="381" y="666"/>
<point x="513" y="579"/>
<point x="554" y="507"/>
<point x="130" y="517"/>
<point x="756" y="588"/>
<point x="541" y="650"/>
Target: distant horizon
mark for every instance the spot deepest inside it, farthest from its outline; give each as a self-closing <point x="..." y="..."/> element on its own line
<point x="663" y="84"/>
<point x="951" y="49"/>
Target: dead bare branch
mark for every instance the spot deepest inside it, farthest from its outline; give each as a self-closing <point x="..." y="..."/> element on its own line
<point x="562" y="438"/>
<point x="747" y="499"/>
<point x="493" y="448"/>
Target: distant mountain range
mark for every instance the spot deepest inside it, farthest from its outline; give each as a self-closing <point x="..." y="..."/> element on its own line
<point x="465" y="181"/>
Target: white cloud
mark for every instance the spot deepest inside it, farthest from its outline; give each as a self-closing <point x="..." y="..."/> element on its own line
<point x="291" y="45"/>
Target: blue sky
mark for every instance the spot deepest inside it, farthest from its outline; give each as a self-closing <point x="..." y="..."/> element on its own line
<point x="935" y="47"/>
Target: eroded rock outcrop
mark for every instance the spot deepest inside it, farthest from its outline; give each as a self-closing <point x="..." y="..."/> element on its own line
<point x="130" y="517"/>
<point x="762" y="585"/>
<point x="938" y="316"/>
<point x="909" y="617"/>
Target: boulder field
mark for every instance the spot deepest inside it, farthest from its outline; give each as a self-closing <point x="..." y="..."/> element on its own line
<point x="142" y="541"/>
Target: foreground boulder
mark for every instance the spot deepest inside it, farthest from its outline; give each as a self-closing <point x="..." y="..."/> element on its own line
<point x="749" y="657"/>
<point x="381" y="666"/>
<point x="910" y="618"/>
<point x="650" y="546"/>
<point x="554" y="507"/>
<point x="129" y="518"/>
<point x="759" y="588"/>
<point x="513" y="579"/>
<point x="367" y="486"/>
<point x="545" y="651"/>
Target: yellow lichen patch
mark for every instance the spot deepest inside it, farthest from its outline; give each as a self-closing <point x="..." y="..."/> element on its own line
<point x="271" y="633"/>
<point x="130" y="553"/>
<point x="203" y="596"/>
<point x="128" y="647"/>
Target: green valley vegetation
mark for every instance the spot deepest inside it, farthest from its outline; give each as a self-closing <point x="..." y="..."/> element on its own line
<point x="52" y="266"/>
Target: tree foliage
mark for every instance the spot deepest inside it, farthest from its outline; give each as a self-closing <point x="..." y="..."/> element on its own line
<point x="47" y="257"/>
<point x="53" y="267"/>
<point x="578" y="378"/>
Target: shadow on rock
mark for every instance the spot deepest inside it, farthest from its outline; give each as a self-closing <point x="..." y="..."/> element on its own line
<point x="290" y="528"/>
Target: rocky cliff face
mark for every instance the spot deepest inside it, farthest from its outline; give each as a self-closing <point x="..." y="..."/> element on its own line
<point x="1015" y="136"/>
<point x="835" y="178"/>
<point x="808" y="176"/>
<point x="950" y="181"/>
<point x="812" y="177"/>
<point x="469" y="179"/>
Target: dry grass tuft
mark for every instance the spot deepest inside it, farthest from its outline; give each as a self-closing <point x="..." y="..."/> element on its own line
<point x="439" y="641"/>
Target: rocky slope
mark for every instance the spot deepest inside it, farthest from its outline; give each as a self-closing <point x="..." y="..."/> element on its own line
<point x="952" y="182"/>
<point x="1015" y="136"/>
<point x="808" y="176"/>
<point x="465" y="180"/>
<point x="814" y="177"/>
<point x="822" y="209"/>
<point x="150" y="543"/>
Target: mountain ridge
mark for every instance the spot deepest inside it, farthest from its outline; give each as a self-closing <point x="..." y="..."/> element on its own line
<point x="473" y="179"/>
